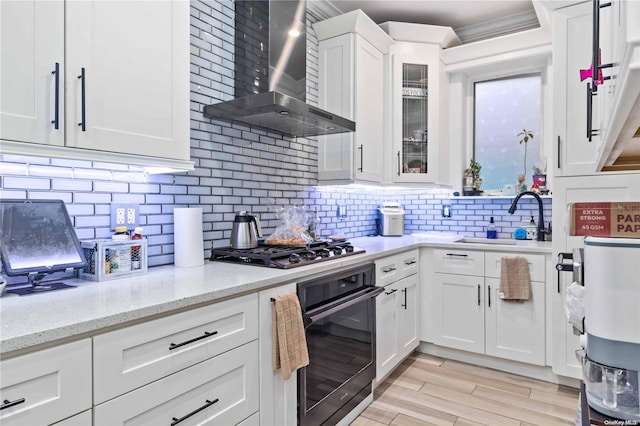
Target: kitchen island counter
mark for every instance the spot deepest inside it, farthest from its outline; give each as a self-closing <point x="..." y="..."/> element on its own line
<point x="30" y="322"/>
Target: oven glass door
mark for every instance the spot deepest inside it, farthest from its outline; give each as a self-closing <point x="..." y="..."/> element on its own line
<point x="341" y="343"/>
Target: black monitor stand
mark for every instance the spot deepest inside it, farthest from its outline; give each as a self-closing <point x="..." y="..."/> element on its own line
<point x="37" y="286"/>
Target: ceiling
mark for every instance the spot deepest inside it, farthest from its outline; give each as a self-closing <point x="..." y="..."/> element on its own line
<point x="472" y="20"/>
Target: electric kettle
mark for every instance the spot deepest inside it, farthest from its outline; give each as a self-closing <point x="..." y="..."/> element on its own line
<point x="245" y="231"/>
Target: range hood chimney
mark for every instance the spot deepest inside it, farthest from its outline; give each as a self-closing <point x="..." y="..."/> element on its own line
<point x="270" y="73"/>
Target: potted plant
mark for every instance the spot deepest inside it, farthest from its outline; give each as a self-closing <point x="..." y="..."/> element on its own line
<point x="525" y="135"/>
<point x="473" y="181"/>
<point x="539" y="178"/>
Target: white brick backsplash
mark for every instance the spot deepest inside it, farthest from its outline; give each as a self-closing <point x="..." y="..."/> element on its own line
<point x="10" y="182"/>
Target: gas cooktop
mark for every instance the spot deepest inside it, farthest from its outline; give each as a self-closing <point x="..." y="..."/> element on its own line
<point x="285" y="257"/>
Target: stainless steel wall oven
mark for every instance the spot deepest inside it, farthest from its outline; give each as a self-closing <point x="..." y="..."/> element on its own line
<point x="339" y="317"/>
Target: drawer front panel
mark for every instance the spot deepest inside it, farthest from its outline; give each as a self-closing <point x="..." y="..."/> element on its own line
<point x="222" y="390"/>
<point x="47" y="385"/>
<point x="493" y="264"/>
<point x="393" y="268"/>
<point x="409" y="263"/>
<point x="461" y="262"/>
<point x="128" y="358"/>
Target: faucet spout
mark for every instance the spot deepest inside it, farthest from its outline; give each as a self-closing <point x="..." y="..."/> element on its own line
<point x="514" y="207"/>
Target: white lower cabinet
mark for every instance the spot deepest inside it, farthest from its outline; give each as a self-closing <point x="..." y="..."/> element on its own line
<point x="278" y="397"/>
<point x="469" y="315"/>
<point x="222" y="390"/>
<point x="46" y="386"/>
<point x="83" y="419"/>
<point x="397" y="316"/>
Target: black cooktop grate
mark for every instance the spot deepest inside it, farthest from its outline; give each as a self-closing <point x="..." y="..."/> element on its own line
<point x="285" y="257"/>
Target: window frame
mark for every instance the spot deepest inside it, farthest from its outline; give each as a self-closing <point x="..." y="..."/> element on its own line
<point x="501" y="70"/>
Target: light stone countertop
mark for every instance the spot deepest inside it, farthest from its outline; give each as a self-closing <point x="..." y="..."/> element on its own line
<point x="28" y="322"/>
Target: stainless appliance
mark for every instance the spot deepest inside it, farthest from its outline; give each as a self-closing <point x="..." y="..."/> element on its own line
<point x="270" y="73"/>
<point x="339" y="316"/>
<point x="285" y="257"/>
<point x="245" y="231"/>
<point x="390" y="219"/>
<point x="611" y="341"/>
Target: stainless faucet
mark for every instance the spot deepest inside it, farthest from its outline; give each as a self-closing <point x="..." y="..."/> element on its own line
<point x="514" y="207"/>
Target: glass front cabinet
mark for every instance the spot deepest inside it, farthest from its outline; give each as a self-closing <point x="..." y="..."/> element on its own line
<point x="415" y="129"/>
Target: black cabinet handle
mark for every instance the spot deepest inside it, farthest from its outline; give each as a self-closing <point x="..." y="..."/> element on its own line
<point x="591" y="92"/>
<point x="391" y="292"/>
<point x="196" y="411"/>
<point x="405" y="298"/>
<point x="478" y="294"/>
<point x="559" y="152"/>
<point x="563" y="267"/>
<point x="6" y="403"/>
<point x="204" y="336"/>
<point x="399" y="169"/>
<point x="83" y="122"/>
<point x="389" y="269"/>
<point x="361" y="148"/>
<point x="56" y="108"/>
<point x="489" y="295"/>
<point x="458" y="255"/>
<point x="409" y="262"/>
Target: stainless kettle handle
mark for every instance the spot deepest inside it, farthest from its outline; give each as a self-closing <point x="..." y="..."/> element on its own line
<point x="257" y="222"/>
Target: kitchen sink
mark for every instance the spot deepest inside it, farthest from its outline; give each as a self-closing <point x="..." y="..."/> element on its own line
<point x="498" y="241"/>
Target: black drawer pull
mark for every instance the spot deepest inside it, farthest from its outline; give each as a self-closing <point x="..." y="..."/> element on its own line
<point x="489" y="295"/>
<point x="177" y="345"/>
<point x="478" y="294"/>
<point x="458" y="255"/>
<point x="389" y="269"/>
<point x="409" y="262"/>
<point x="196" y="411"/>
<point x="6" y="403"/>
<point x="405" y="298"/>
<point x="391" y="292"/>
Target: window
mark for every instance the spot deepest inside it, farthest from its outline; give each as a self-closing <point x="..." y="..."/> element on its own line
<point x="502" y="109"/>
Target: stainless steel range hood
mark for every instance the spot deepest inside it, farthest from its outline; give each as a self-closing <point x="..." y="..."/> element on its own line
<point x="270" y="82"/>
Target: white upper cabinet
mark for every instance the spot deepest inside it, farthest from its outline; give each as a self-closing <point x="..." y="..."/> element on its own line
<point x="32" y="37"/>
<point x="415" y="93"/>
<point x="123" y="81"/>
<point x="351" y="83"/>
<point x="572" y="51"/>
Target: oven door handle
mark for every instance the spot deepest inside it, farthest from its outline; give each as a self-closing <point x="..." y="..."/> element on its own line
<point x="324" y="311"/>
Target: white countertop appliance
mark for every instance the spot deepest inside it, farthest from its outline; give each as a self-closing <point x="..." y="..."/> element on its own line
<point x="611" y="364"/>
<point x="390" y="220"/>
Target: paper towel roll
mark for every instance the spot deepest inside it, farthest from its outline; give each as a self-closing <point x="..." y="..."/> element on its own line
<point x="187" y="237"/>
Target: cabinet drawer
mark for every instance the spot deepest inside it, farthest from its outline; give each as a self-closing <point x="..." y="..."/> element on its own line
<point x="131" y="357"/>
<point x="396" y="267"/>
<point x="222" y="390"/>
<point x="493" y="263"/>
<point x="461" y="262"/>
<point x="53" y="384"/>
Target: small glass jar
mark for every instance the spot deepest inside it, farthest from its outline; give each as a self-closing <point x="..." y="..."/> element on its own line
<point x="122" y="233"/>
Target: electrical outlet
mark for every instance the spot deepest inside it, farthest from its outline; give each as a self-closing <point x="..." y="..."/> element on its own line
<point x="125" y="215"/>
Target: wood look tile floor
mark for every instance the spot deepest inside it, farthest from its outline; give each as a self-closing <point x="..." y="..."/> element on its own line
<point x="426" y="390"/>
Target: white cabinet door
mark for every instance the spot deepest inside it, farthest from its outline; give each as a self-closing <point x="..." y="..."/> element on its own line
<point x="44" y="387"/>
<point x="223" y="390"/>
<point x="135" y="57"/>
<point x="32" y="43"/>
<point x="604" y="187"/>
<point x="459" y="312"/>
<point x="408" y="323"/>
<point x="514" y="329"/>
<point x="572" y="51"/>
<point x="387" y="326"/>
<point x="278" y="397"/>
<point x="415" y="130"/>
<point x="351" y="84"/>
